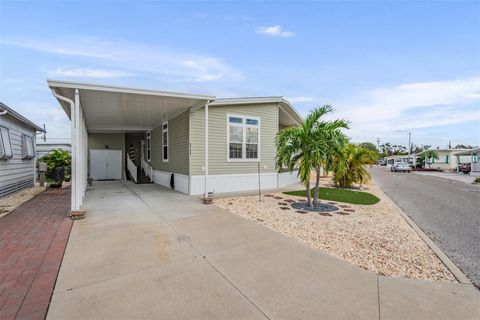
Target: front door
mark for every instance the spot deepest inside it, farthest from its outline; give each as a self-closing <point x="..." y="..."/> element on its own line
<point x="105" y="164"/>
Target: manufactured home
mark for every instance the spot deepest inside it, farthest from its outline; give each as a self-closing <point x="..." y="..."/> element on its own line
<point x="195" y="144"/>
<point x="43" y="148"/>
<point x="17" y="151"/>
<point x="448" y="159"/>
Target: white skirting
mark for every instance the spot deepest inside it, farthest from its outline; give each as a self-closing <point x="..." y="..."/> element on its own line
<point x="163" y="178"/>
<point x="233" y="182"/>
<point x="287" y="178"/>
<point x="220" y="183"/>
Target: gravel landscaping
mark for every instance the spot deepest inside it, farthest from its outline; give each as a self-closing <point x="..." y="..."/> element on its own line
<point x="374" y="237"/>
<point x="9" y="203"/>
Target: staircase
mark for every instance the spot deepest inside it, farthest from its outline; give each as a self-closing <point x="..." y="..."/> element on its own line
<point x="139" y="175"/>
<point x="142" y="177"/>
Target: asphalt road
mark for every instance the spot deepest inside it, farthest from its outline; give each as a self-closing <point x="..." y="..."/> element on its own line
<point x="447" y="211"/>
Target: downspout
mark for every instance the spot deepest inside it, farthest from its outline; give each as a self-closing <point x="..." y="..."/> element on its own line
<point x="73" y="147"/>
<point x="206" y="149"/>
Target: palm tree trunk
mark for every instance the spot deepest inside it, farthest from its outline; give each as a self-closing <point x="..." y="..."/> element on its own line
<point x="309" y="196"/>
<point x="317" y="187"/>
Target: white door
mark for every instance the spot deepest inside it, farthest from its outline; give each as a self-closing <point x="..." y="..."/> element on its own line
<point x="105" y="164"/>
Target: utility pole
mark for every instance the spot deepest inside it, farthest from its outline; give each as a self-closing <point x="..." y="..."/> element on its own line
<point x="378" y="144"/>
<point x="409" y="145"/>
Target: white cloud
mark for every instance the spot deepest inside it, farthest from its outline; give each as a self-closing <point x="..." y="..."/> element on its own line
<point x="84" y="47"/>
<point x="274" y="31"/>
<point x="386" y="111"/>
<point x="300" y="99"/>
<point x="88" y="73"/>
<point x="152" y="60"/>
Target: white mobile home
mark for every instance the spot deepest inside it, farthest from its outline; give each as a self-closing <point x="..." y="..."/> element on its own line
<point x="17" y="151"/>
<point x="195" y="144"/>
<point x="448" y="159"/>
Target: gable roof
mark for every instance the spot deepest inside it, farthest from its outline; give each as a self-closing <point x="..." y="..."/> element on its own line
<point x="287" y="110"/>
<point x="19" y="117"/>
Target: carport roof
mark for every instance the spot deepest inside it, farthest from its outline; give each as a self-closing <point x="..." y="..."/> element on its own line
<point x="120" y="109"/>
<point x="468" y="152"/>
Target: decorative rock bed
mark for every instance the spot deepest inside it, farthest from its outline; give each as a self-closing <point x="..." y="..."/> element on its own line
<point x="321" y="207"/>
<point x="374" y="237"/>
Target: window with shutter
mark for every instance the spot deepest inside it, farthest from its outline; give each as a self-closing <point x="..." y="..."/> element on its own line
<point x="28" y="150"/>
<point x="6" y="151"/>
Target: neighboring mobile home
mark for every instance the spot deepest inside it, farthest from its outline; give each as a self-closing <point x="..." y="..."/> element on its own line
<point x="195" y="144"/>
<point x="43" y="148"/>
<point x="447" y="159"/>
<point x="17" y="151"/>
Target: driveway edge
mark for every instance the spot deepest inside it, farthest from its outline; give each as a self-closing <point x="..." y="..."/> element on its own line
<point x="458" y="274"/>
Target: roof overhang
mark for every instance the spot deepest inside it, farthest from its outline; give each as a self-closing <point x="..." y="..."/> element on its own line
<point x="287" y="113"/>
<point x="121" y="109"/>
<point x="467" y="152"/>
<point x="19" y="117"/>
<point x="455" y="151"/>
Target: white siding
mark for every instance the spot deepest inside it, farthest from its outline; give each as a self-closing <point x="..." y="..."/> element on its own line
<point x="16" y="173"/>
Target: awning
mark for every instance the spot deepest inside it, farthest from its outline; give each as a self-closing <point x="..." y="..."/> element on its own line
<point x="121" y="109"/>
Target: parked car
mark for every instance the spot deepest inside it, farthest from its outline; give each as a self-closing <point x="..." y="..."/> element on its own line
<point x="382" y="162"/>
<point x="401" y="166"/>
<point x="465" y="168"/>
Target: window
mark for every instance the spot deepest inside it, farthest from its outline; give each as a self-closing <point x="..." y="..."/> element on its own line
<point x="149" y="146"/>
<point x="5" y="144"/>
<point x="28" y="151"/>
<point x="243" y="138"/>
<point x="165" y="141"/>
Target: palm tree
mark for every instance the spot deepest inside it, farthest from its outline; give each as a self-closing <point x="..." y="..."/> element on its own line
<point x="309" y="146"/>
<point x="350" y="167"/>
<point x="330" y="145"/>
<point x="430" y="157"/>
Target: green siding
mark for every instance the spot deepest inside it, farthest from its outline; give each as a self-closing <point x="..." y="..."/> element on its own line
<point x="114" y="141"/>
<point x="177" y="145"/>
<point x="218" y="164"/>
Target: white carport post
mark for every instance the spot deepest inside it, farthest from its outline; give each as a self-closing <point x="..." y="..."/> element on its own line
<point x="206" y="149"/>
<point x="78" y="136"/>
<point x="81" y="156"/>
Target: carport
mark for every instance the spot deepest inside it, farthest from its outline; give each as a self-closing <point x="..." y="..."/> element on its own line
<point x="108" y="109"/>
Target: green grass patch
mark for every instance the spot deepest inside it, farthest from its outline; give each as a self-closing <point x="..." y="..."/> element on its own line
<point x="340" y="195"/>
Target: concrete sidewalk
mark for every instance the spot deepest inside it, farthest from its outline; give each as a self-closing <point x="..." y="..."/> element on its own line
<point x="454" y="176"/>
<point x="145" y="252"/>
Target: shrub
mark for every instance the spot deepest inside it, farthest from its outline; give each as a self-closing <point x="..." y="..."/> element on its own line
<point x="59" y="163"/>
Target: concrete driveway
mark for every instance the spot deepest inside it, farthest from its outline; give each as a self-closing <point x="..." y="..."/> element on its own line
<point x="145" y="252"/>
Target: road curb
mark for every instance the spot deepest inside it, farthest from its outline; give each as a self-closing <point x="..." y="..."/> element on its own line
<point x="458" y="274"/>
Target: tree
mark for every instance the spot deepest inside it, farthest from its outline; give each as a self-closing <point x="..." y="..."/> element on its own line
<point x="350" y="168"/>
<point x="370" y="146"/>
<point x="330" y="145"/>
<point x="309" y="146"/>
<point x="430" y="156"/>
<point x="55" y="159"/>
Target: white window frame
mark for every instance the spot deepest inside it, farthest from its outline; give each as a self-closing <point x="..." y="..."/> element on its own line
<point x="6" y="141"/>
<point x="165" y="159"/>
<point x="244" y="125"/>
<point x="148" y="148"/>
<point x="25" y="143"/>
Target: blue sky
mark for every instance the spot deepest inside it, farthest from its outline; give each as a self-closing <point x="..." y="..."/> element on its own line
<point x="388" y="67"/>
